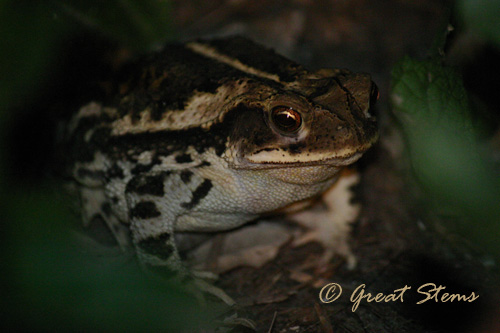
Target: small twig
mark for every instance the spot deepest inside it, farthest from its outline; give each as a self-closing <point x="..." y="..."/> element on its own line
<point x="272" y="322"/>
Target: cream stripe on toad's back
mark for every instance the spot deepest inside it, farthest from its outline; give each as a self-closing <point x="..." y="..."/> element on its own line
<point x="201" y="110"/>
<point x="212" y="53"/>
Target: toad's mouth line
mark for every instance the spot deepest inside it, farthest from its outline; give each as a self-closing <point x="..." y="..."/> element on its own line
<point x="336" y="161"/>
<point x="276" y="157"/>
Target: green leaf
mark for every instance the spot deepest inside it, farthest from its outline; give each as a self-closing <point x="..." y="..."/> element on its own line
<point x="51" y="284"/>
<point x="482" y="18"/>
<point x="431" y="105"/>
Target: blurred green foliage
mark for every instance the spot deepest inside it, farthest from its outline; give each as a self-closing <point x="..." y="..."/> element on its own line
<point x="481" y="17"/>
<point x="456" y="171"/>
<point x="51" y="285"/>
<point x="47" y="282"/>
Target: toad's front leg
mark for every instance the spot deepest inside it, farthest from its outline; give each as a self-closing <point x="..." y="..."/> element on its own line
<point x="153" y="236"/>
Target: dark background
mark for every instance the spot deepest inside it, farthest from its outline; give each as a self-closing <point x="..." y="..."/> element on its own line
<point x="56" y="54"/>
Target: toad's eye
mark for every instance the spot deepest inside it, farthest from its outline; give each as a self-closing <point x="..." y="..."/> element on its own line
<point x="286" y="119"/>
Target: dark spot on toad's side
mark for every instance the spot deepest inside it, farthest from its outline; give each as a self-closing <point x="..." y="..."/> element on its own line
<point x="186" y="176"/>
<point x="115" y="172"/>
<point x="201" y="191"/>
<point x="144" y="210"/>
<point x="159" y="246"/>
<point x="142" y="184"/>
<point x="82" y="150"/>
<point x="203" y="164"/>
<point x="141" y="168"/>
<point x="184" y="158"/>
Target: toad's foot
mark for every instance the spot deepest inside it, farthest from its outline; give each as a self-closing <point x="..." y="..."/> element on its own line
<point x="201" y="287"/>
<point x="200" y="283"/>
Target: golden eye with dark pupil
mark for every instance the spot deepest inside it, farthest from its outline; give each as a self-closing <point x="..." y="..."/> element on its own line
<point x="286" y="119"/>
